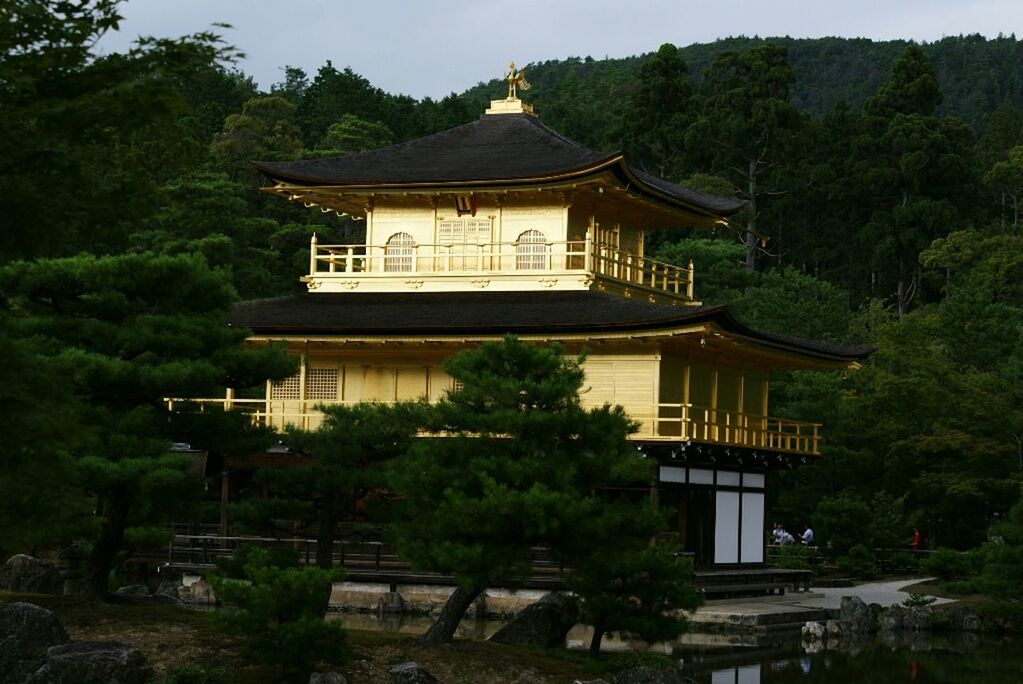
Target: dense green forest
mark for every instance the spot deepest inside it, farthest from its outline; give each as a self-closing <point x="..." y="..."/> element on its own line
<point x="883" y="181"/>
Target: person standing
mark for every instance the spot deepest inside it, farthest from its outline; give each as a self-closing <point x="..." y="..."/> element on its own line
<point x="917" y="539"/>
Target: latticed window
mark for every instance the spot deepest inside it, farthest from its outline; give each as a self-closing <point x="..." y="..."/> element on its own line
<point x="464" y="241"/>
<point x="531" y="251"/>
<point x="321" y="383"/>
<point x="288" y="389"/>
<point x="398" y="253"/>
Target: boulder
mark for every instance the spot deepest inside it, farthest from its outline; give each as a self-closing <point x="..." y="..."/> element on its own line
<point x="199" y="591"/>
<point x="88" y="662"/>
<point x="970" y="622"/>
<point x="327" y="678"/>
<point x="391" y="603"/>
<point x="890" y="619"/>
<point x="833" y="628"/>
<point x="410" y="672"/>
<point x="648" y="675"/>
<point x="813" y="631"/>
<point x="917" y="619"/>
<point x="30" y="575"/>
<point x="133" y="591"/>
<point x="543" y="624"/>
<point x="857" y="615"/>
<point x="27" y="631"/>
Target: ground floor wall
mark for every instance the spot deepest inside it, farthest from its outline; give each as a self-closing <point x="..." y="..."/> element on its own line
<point x="719" y="514"/>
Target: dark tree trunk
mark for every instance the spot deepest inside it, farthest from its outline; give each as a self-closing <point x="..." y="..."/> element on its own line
<point x="751" y="221"/>
<point x="443" y="629"/>
<point x="325" y="535"/>
<point x="598" y="636"/>
<point x="111" y="536"/>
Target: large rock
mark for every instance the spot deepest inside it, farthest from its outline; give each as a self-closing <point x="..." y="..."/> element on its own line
<point x="391" y="603"/>
<point x="327" y="678"/>
<point x="857" y="614"/>
<point x="813" y="631"/>
<point x="649" y="675"/>
<point x="133" y="591"/>
<point x="199" y="591"/>
<point x="543" y="624"/>
<point x="26" y="574"/>
<point x="27" y="631"/>
<point x="411" y="672"/>
<point x="94" y="662"/>
<point x="891" y="619"/>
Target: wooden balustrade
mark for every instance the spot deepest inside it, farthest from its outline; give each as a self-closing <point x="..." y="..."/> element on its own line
<point x="521" y="258"/>
<point x="683" y="422"/>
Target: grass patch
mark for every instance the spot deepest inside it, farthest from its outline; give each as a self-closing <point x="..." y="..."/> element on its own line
<point x="174" y="638"/>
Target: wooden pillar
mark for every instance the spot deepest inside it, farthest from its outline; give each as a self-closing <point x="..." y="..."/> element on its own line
<point x="714" y="402"/>
<point x="301" y="389"/>
<point x="225" y="499"/>
<point x="685" y="414"/>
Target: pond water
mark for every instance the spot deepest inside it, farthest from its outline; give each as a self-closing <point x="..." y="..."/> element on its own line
<point x="782" y="659"/>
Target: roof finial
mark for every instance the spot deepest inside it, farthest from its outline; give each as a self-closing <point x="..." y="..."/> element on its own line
<point x="516" y="79"/>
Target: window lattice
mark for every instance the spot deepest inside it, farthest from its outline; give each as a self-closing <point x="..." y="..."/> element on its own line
<point x="398" y="253"/>
<point x="464" y="241"/>
<point x="321" y="383"/>
<point x="531" y="251"/>
<point x="288" y="389"/>
<point x="464" y="231"/>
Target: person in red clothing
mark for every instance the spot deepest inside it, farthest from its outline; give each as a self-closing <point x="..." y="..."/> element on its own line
<point x="917" y="538"/>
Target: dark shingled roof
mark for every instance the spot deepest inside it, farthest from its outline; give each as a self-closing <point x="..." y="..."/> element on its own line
<point x="494" y="313"/>
<point x="499" y="147"/>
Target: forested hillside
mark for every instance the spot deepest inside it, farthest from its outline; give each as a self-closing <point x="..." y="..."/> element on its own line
<point x="883" y="183"/>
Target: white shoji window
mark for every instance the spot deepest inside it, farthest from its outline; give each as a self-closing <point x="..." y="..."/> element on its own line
<point x="398" y="253"/>
<point x="321" y="383"/>
<point x="531" y="251"/>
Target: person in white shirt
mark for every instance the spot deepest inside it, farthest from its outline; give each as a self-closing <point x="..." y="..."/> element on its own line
<point x="807" y="537"/>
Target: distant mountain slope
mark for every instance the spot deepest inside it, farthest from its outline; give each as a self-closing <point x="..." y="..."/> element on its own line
<point x="583" y="96"/>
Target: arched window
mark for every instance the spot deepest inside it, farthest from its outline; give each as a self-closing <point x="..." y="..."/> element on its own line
<point x="531" y="251"/>
<point x="398" y="253"/>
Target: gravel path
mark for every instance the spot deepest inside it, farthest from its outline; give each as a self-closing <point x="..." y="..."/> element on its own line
<point x="884" y="593"/>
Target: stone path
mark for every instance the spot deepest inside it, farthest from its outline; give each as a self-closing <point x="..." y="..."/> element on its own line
<point x="884" y="593"/>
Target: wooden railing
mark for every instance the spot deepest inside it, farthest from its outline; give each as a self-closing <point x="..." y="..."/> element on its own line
<point x="520" y="258"/>
<point x="676" y="422"/>
<point x="719" y="426"/>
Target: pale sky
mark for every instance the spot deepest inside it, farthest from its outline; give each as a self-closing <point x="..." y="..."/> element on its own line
<point x="435" y="47"/>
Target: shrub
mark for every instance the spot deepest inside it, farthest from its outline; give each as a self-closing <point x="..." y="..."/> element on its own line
<point x="194" y="674"/>
<point x="904" y="560"/>
<point x="960" y="587"/>
<point x="918" y="600"/>
<point x="947" y="564"/>
<point x="792" y="557"/>
<point x="279" y="611"/>
<point x="860" y="562"/>
<point x="277" y="556"/>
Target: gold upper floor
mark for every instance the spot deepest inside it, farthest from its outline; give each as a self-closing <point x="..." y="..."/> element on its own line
<point x="515" y="241"/>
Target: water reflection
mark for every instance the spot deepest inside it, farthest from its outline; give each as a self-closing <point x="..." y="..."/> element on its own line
<point x="916" y="659"/>
<point x="903" y="658"/>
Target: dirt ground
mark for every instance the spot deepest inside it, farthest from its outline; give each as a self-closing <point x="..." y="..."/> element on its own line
<point x="172" y="636"/>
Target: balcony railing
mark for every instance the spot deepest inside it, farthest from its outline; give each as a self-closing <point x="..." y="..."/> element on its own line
<point x="507" y="258"/>
<point x="667" y="422"/>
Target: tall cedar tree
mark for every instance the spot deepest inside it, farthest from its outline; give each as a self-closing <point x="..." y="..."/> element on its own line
<point x="516" y="463"/>
<point x="745" y="122"/>
<point x="659" y="110"/>
<point x="85" y="135"/>
<point x="128" y="331"/>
